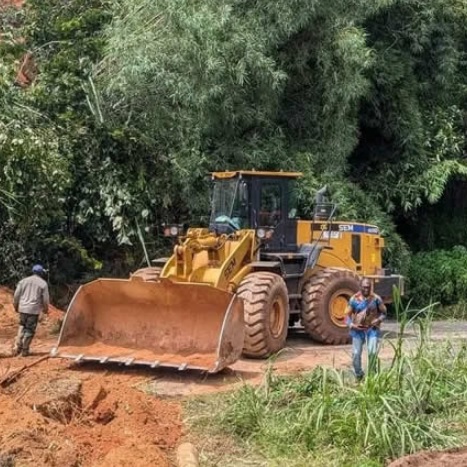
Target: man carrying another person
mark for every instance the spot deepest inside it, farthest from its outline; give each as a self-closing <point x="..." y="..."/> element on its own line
<point x="365" y="313"/>
<point x="30" y="299"/>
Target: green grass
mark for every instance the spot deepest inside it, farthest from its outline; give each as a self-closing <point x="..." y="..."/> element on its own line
<point x="325" y="418"/>
<point x="456" y="312"/>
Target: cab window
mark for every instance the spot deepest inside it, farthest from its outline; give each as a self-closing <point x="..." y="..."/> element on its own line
<point x="270" y="205"/>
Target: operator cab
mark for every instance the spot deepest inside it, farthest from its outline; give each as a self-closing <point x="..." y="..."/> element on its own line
<point x="263" y="201"/>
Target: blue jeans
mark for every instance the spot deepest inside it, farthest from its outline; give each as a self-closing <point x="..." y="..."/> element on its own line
<point x="371" y="337"/>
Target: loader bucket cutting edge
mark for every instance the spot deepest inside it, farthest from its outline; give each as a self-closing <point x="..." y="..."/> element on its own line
<point x="156" y="324"/>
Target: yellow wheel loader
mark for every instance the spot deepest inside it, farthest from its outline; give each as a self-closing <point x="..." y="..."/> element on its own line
<point x="232" y="288"/>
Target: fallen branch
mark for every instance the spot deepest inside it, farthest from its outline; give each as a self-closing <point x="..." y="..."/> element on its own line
<point x="8" y="379"/>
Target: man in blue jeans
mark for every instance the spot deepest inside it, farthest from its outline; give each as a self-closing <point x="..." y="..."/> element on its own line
<point x="365" y="313"/>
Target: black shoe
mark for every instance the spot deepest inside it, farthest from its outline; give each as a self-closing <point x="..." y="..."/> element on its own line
<point x="25" y="353"/>
<point x="360" y="378"/>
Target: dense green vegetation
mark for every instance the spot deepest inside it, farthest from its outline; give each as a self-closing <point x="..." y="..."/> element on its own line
<point x="440" y="275"/>
<point x="324" y="418"/>
<point x="137" y="100"/>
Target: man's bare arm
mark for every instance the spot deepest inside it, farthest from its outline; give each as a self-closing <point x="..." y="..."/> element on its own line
<point x="382" y="312"/>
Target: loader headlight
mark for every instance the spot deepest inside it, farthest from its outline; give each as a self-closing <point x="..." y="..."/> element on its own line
<point x="171" y="231"/>
<point x="264" y="233"/>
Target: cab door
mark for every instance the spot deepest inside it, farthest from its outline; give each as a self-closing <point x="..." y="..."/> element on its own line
<point x="272" y="212"/>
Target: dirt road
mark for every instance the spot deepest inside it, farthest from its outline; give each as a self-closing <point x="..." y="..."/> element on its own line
<point x="301" y="354"/>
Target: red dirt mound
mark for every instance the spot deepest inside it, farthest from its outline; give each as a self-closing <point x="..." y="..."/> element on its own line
<point x="450" y="458"/>
<point x="112" y="422"/>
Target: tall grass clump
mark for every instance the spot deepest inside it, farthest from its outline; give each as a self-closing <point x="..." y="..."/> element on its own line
<point x="415" y="402"/>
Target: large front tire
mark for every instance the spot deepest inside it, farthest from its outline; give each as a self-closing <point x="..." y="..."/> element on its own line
<point x="266" y="310"/>
<point x="324" y="301"/>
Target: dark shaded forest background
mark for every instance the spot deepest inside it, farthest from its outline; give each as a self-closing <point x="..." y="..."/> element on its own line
<point x="112" y="113"/>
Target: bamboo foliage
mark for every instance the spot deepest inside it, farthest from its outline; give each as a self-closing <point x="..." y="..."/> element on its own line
<point x="137" y="100"/>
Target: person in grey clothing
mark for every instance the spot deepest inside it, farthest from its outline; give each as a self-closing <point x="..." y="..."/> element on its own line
<point x="30" y="299"/>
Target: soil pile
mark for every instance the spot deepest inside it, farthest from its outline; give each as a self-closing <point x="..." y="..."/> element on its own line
<point x="48" y="419"/>
<point x="56" y="414"/>
<point x="450" y="458"/>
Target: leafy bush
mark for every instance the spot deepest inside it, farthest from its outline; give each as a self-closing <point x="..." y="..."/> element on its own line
<point x="439" y="275"/>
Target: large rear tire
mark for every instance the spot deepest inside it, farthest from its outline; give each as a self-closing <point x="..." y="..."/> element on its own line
<point x="147" y="274"/>
<point x="266" y="311"/>
<point x="324" y="301"/>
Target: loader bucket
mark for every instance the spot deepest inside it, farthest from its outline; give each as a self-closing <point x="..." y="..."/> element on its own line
<point x="158" y="324"/>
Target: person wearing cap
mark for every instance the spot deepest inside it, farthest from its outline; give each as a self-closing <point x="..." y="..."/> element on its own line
<point x="30" y="299"/>
<point x="365" y="313"/>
